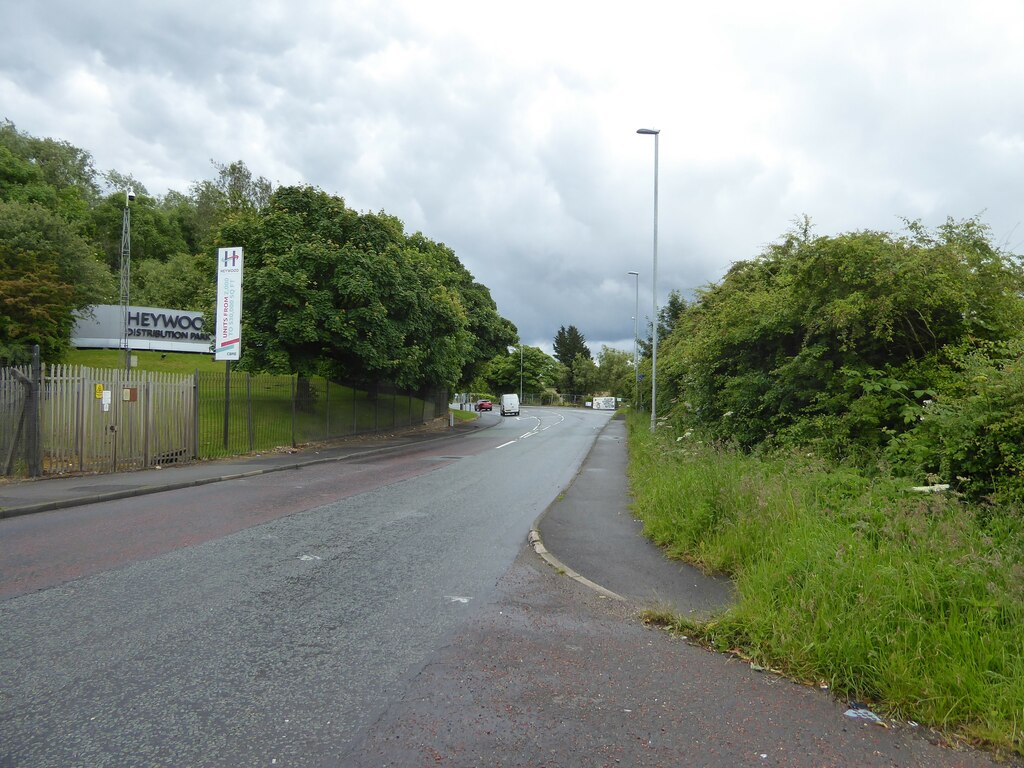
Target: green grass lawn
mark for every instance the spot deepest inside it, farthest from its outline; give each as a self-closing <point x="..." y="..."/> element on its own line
<point x="171" y="362"/>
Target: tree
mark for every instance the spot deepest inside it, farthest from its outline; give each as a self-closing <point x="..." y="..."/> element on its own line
<point x="585" y="376"/>
<point x="540" y="371"/>
<point x="668" y="316"/>
<point x="234" y="191"/>
<point x="568" y="345"/>
<point x="490" y="333"/>
<point x="47" y="271"/>
<point x="616" y="375"/>
<point x="181" y="282"/>
<point x="569" y="342"/>
<point x="54" y="174"/>
<point x="155" y="233"/>
<point x="332" y="292"/>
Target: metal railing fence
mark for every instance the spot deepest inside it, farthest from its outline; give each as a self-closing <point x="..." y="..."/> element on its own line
<point x="60" y="419"/>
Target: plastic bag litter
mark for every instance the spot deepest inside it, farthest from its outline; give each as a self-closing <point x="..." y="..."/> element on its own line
<point x="860" y="712"/>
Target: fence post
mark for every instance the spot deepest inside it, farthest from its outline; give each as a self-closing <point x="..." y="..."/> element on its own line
<point x="195" y="414"/>
<point x="148" y="411"/>
<point x="248" y="399"/>
<point x="294" y="382"/>
<point x="33" y="442"/>
<point x="84" y="402"/>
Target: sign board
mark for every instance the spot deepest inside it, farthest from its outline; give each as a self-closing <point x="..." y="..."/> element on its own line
<point x="604" y="403"/>
<point x="101" y="326"/>
<point x="228" y="332"/>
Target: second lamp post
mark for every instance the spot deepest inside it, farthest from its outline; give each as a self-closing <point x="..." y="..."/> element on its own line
<point x="654" y="344"/>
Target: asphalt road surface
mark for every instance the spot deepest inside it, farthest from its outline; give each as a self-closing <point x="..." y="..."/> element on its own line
<point x="265" y="621"/>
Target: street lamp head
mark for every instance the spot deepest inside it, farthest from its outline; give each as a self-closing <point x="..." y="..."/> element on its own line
<point x="631" y="272"/>
<point x="649" y="131"/>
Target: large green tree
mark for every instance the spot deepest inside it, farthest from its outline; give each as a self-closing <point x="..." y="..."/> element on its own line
<point x="569" y="344"/>
<point x="332" y="292"/>
<point x="47" y="271"/>
<point x="540" y="371"/>
<point x="616" y="375"/>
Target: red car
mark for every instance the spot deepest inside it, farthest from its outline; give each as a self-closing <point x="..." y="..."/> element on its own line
<point x="484" y="405"/>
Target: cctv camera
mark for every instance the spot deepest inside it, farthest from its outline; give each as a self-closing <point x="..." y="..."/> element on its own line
<point x="131" y="195"/>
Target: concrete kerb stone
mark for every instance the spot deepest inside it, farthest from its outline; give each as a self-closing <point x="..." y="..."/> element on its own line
<point x="77" y="501"/>
<point x="558" y="565"/>
<point x="538" y="546"/>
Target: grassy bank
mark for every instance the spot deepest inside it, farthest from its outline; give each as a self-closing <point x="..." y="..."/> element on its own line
<point x="910" y="601"/>
<point x="171" y="362"/>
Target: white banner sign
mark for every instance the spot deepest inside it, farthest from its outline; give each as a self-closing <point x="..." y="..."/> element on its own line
<point x="228" y="331"/>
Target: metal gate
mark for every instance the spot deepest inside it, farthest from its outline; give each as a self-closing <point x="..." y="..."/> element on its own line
<point x="109" y="420"/>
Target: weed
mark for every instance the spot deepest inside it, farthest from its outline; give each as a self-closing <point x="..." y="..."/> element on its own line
<point x="913" y="603"/>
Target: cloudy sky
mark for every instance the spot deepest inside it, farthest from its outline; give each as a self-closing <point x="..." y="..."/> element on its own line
<point x="508" y="130"/>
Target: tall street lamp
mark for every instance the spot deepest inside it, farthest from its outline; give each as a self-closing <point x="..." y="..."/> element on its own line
<point x="636" y="362"/>
<point x="654" y="345"/>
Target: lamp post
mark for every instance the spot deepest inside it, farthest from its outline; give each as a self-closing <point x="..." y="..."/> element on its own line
<point x="636" y="362"/>
<point x="654" y="344"/>
<point x="520" y="371"/>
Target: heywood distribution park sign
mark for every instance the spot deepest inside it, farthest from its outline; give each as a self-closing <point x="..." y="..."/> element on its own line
<point x="149" y="328"/>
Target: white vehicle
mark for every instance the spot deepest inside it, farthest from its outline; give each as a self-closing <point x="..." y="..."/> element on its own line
<point x="510" y="405"/>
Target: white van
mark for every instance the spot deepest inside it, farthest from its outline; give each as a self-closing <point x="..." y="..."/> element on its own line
<point x="510" y="405"/>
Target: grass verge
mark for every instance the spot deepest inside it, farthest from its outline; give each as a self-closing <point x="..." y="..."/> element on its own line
<point x="914" y="603"/>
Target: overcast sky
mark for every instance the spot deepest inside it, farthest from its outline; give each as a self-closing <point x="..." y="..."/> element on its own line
<point x="508" y="130"/>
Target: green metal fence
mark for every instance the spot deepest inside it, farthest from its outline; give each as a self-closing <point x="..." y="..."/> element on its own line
<point x="241" y="413"/>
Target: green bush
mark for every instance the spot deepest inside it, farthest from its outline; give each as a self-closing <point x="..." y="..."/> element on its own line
<point x="972" y="434"/>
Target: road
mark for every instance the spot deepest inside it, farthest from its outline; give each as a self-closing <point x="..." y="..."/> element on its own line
<point x="264" y="621"/>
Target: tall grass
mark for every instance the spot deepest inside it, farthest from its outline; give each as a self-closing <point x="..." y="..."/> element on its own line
<point x="912" y="602"/>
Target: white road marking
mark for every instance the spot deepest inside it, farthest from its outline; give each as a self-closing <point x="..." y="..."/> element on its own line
<point x="308" y="557"/>
<point x="536" y="430"/>
<point x="457" y="599"/>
